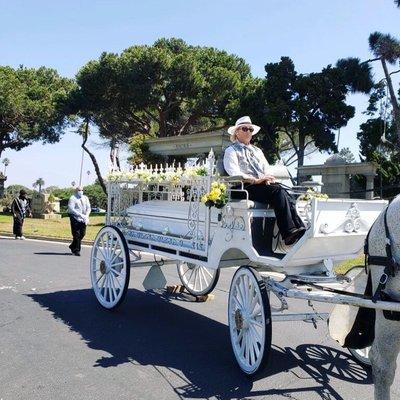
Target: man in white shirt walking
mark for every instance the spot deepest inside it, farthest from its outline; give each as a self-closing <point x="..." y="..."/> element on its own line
<point x="79" y="211"/>
<point x="248" y="161"/>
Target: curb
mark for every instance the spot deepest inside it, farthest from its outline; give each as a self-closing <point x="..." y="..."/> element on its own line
<point x="47" y="238"/>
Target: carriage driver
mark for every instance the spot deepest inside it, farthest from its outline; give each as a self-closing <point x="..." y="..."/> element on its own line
<point x="248" y="161"/>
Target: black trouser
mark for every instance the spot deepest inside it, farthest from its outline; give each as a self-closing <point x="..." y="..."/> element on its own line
<point x="282" y="203"/>
<point x="78" y="230"/>
<point x="17" y="227"/>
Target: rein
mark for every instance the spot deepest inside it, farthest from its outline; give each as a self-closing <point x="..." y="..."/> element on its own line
<point x="392" y="268"/>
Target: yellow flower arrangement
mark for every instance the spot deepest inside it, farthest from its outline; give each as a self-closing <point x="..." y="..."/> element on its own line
<point x="311" y="194"/>
<point x="216" y="197"/>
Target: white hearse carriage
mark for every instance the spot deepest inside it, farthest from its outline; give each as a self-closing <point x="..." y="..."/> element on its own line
<point x="159" y="210"/>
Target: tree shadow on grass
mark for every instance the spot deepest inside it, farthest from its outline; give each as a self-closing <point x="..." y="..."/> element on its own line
<point x="150" y="330"/>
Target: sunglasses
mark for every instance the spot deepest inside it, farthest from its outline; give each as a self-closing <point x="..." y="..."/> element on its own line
<point x="246" y="129"/>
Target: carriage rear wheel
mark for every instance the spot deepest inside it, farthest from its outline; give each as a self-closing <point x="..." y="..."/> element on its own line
<point x="249" y="316"/>
<point x="110" y="267"/>
<point x="198" y="280"/>
<point x="361" y="355"/>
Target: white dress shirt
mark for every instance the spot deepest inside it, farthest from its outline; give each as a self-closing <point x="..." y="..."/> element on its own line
<point x="231" y="162"/>
<point x="79" y="208"/>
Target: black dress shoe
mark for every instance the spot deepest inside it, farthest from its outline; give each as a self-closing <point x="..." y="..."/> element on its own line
<point x="76" y="253"/>
<point x="294" y="236"/>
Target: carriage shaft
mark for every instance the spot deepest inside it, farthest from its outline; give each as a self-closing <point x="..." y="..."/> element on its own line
<point x="307" y="317"/>
<point x="326" y="297"/>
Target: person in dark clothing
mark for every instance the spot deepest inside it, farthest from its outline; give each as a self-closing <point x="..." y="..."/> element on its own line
<point x="248" y="161"/>
<point x="79" y="211"/>
<point x="20" y="208"/>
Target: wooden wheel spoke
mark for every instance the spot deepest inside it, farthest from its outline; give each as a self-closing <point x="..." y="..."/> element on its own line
<point x="114" y="289"/>
<point x="240" y="295"/>
<point x="116" y="255"/>
<point x="115" y="272"/>
<point x="206" y="270"/>
<point x="238" y="303"/>
<point x="117" y="264"/>
<point x="101" y="252"/>
<point x="103" y="246"/>
<point x="206" y="280"/>
<point x="255" y="333"/>
<point x="98" y="280"/>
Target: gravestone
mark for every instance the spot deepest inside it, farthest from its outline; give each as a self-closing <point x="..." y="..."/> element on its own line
<point x="3" y="178"/>
<point x="43" y="208"/>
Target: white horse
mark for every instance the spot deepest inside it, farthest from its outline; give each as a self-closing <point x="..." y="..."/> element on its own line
<point x="386" y="345"/>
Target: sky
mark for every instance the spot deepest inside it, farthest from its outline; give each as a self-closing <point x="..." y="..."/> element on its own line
<point x="67" y="34"/>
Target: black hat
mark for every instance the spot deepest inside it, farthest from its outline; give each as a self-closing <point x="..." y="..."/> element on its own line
<point x="22" y="192"/>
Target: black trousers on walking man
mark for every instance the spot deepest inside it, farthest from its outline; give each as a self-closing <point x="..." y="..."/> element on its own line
<point x="282" y="203"/>
<point x="78" y="230"/>
<point x="17" y="226"/>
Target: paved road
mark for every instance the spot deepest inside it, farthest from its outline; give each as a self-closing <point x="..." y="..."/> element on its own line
<point x="57" y="343"/>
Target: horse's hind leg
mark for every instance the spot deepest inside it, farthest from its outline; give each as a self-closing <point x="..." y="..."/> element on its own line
<point x="383" y="355"/>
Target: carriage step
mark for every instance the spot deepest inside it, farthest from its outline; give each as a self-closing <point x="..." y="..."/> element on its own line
<point x="180" y="289"/>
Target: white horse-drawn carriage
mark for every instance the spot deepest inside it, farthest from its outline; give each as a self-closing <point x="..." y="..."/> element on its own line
<point x="159" y="210"/>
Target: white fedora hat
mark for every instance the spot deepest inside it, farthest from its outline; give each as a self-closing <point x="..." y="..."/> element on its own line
<point x="242" y="121"/>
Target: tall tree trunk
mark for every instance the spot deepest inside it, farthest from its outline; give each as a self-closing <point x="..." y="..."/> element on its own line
<point x="393" y="100"/>
<point x="85" y="135"/>
<point x="300" y="155"/>
<point x="114" y="154"/>
<point x="163" y="124"/>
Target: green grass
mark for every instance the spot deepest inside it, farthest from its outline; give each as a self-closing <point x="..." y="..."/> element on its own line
<point x="59" y="228"/>
<point x="344" y="266"/>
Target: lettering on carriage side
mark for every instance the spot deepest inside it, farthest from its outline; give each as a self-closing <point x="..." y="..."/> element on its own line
<point x="164" y="239"/>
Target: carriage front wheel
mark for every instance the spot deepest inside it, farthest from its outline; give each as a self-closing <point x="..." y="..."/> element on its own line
<point x="110" y="267"/>
<point x="249" y="316"/>
<point x="197" y="280"/>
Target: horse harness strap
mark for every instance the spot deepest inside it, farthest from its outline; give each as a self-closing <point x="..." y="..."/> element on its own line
<point x="392" y="267"/>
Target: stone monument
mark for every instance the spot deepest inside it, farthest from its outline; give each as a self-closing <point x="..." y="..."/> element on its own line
<point x="45" y="206"/>
<point x="194" y="144"/>
<point x="336" y="173"/>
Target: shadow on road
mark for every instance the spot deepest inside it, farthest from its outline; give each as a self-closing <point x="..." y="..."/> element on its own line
<point x="149" y="330"/>
<point x="51" y="253"/>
